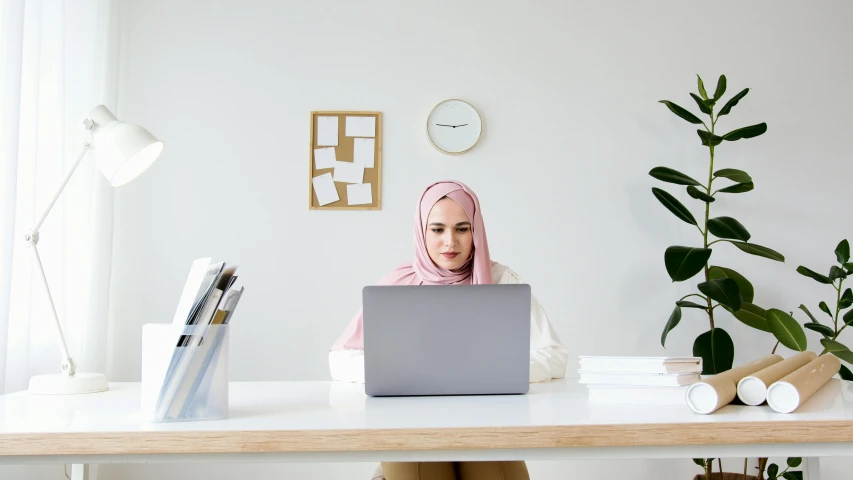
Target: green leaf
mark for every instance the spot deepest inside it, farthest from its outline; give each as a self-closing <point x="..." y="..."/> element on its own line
<point x="747" y="292"/>
<point x="838" y="349"/>
<point x="723" y="290"/>
<point x="709" y="139"/>
<point x="727" y="108"/>
<point x="842" y="252"/>
<point x="745" y="132"/>
<point x="699" y="461"/>
<point x="716" y="349"/>
<point x="701" y="103"/>
<point x="674" y="318"/>
<point x="702" y="88"/>
<point x="682" y="263"/>
<point x="688" y="304"/>
<point x="681" y="112"/>
<point x="847" y="356"/>
<point x="845" y="373"/>
<point x="786" y="330"/>
<point x="846" y="299"/>
<point x="849" y="267"/>
<point x="836" y="272"/>
<point x="672" y="176"/>
<point x="773" y="469"/>
<point x="734" y="175"/>
<point x="674" y="206"/>
<point x="699" y="194"/>
<point x="823" y="306"/>
<point x="803" y="308"/>
<point x="794" y="462"/>
<point x="760" y="251"/>
<point x="848" y="317"/>
<point x="814" y="275"/>
<point x="728" y="227"/>
<point x="738" y="188"/>
<point x="833" y="346"/>
<point x="793" y="475"/>
<point x="721" y="88"/>
<point x="819" y="328"/>
<point x="752" y="316"/>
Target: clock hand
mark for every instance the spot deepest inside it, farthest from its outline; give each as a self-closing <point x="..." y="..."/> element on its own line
<point x="440" y="125"/>
<point x="461" y="125"/>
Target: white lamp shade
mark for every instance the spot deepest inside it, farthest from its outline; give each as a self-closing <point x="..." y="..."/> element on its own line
<point x="123" y="150"/>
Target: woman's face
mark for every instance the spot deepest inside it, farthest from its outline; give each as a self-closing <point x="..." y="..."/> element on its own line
<point x="449" y="240"/>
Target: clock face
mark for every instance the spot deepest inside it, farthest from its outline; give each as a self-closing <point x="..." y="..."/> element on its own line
<point x="454" y="126"/>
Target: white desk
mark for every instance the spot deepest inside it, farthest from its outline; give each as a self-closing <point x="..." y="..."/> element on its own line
<point x="323" y="421"/>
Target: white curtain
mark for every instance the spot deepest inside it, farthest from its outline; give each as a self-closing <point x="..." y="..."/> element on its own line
<point x="58" y="59"/>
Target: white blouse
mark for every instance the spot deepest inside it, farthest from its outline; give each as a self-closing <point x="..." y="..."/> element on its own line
<point x="547" y="354"/>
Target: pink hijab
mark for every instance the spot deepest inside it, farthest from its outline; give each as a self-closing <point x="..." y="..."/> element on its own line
<point x="422" y="271"/>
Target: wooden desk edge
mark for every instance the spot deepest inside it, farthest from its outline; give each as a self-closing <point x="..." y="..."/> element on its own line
<point x="485" y="438"/>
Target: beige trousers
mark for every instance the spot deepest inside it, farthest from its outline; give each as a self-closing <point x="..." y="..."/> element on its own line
<point x="455" y="471"/>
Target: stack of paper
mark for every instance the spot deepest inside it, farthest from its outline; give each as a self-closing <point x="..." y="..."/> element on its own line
<point x="639" y="380"/>
<point x="210" y="297"/>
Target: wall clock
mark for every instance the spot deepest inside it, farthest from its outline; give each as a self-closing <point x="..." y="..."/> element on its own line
<point x="454" y="126"/>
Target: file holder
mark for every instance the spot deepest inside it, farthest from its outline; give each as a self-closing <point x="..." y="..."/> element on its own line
<point x="184" y="383"/>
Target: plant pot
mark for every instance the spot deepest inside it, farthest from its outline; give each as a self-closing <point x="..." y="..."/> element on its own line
<point x="726" y="476"/>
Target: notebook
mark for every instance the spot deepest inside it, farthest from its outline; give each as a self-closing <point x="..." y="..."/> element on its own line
<point x="603" y="364"/>
<point x="650" y="379"/>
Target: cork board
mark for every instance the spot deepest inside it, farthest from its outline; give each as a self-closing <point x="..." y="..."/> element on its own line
<point x="345" y="152"/>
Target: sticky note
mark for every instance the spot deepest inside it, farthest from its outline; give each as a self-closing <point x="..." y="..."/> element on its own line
<point x="324" y="158"/>
<point x="324" y="188"/>
<point x="359" y="194"/>
<point x="361" y="126"/>
<point x="363" y="151"/>
<point x="349" y="172"/>
<point x="327" y="131"/>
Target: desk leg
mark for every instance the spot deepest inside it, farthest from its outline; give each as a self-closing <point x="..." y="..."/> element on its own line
<point x="80" y="471"/>
<point x="812" y="468"/>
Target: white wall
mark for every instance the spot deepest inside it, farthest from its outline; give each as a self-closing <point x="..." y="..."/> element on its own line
<point x="568" y="91"/>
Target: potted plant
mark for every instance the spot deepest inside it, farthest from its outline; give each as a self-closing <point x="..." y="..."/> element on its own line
<point x="773" y="470"/>
<point x="722" y="286"/>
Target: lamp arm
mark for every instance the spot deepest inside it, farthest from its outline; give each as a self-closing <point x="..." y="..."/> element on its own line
<point x="69" y="368"/>
<point x="86" y="147"/>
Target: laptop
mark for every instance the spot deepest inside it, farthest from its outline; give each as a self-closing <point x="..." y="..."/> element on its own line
<point x="446" y="339"/>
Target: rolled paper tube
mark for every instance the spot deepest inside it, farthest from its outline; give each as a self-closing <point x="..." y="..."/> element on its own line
<point x="789" y="393"/>
<point x="713" y="393"/>
<point x="752" y="389"/>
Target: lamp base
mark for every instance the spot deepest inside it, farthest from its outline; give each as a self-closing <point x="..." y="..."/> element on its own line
<point x="60" y="384"/>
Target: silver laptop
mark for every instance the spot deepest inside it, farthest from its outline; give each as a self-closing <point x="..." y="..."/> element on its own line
<point x="446" y="340"/>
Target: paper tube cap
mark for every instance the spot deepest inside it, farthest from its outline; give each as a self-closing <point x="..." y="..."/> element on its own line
<point x="702" y="398"/>
<point x="783" y="397"/>
<point x="752" y="391"/>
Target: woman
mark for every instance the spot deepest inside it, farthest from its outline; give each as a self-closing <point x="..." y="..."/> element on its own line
<point x="451" y="249"/>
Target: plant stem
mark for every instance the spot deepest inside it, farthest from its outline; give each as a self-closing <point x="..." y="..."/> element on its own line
<point x="745" y="463"/>
<point x="720" y="464"/>
<point x="762" y="465"/>
<point x="707" y="215"/>
<point x="774" y="348"/>
<point x="837" y="307"/>
<point x="693" y="295"/>
<point x="709" y="469"/>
